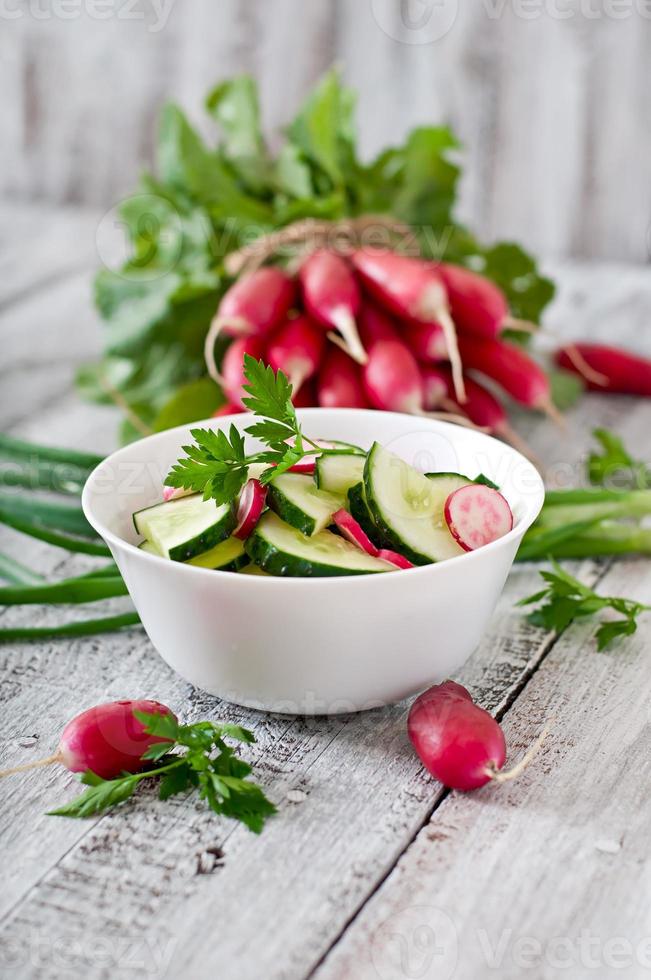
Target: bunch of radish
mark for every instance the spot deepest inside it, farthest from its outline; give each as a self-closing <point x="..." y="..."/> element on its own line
<point x="377" y="329"/>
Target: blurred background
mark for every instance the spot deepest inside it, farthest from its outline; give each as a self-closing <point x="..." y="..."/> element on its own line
<point x="549" y="97"/>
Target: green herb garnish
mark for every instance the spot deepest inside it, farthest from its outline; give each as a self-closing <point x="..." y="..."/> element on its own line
<point x="615" y="465"/>
<point x="217" y="465"/>
<point x="192" y="757"/>
<point x="565" y="599"/>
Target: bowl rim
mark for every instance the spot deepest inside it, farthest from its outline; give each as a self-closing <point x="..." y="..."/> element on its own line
<point x="532" y="508"/>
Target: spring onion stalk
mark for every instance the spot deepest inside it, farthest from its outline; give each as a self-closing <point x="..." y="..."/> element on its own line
<point x="55" y="516"/>
<point x="85" y="628"/>
<point x="606" y="539"/>
<point x="69" y="590"/>
<point x="36" y="475"/>
<point x="59" y="540"/>
<point x="16" y="573"/>
<point x="12" y="448"/>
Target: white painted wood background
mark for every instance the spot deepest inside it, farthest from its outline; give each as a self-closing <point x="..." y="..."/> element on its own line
<point x="370" y="871"/>
<point x="550" y="97"/>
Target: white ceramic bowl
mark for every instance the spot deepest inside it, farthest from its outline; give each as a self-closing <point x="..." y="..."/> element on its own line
<point x="316" y="645"/>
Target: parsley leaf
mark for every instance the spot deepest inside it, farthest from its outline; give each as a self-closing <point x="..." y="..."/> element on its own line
<point x="565" y="599"/>
<point x="208" y="764"/>
<point x="615" y="466"/>
<point x="216" y="465"/>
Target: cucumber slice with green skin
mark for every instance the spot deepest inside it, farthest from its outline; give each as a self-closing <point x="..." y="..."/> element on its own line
<point x="359" y="509"/>
<point x="227" y="556"/>
<point x="299" y="502"/>
<point x="282" y="550"/>
<point x="447" y="483"/>
<point x="337" y="474"/>
<point x="408" y="508"/>
<point x="150" y="548"/>
<point x="186" y="527"/>
<point x="254" y="570"/>
<point x="349" y="445"/>
<point x="463" y="480"/>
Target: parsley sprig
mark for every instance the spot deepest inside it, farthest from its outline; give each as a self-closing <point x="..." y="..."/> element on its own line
<point x="614" y="465"/>
<point x="192" y="757"/>
<point x="565" y="599"/>
<point x="217" y="465"/>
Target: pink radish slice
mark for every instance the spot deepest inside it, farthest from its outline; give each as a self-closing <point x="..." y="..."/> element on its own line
<point x="331" y="296"/>
<point x="394" y="558"/>
<point x="250" y="507"/>
<point x="173" y="493"/>
<point x="351" y="530"/>
<point x="457" y="741"/>
<point x="108" y="739"/>
<point x="308" y="463"/>
<point x="477" y="515"/>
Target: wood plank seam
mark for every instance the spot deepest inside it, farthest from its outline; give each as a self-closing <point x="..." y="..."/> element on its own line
<point x="443" y="793"/>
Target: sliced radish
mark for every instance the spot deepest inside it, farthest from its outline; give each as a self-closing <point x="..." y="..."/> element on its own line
<point x="173" y="493"/>
<point x="354" y="532"/>
<point x="385" y="554"/>
<point x="308" y="463"/>
<point x="477" y="515"/>
<point x="252" y="501"/>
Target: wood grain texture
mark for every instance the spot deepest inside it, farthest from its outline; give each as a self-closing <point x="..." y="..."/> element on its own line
<point x="549" y="99"/>
<point x="547" y="873"/>
<point x="192" y="896"/>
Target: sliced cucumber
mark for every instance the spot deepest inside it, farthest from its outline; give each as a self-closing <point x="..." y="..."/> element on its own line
<point x="251" y="569"/>
<point x="282" y="550"/>
<point x="447" y="483"/>
<point x="359" y="509"/>
<point x="339" y="444"/>
<point x="463" y="481"/>
<point x="150" y="548"/>
<point x="337" y="474"/>
<point x="297" y="500"/>
<point x="186" y="527"/>
<point x="408" y="508"/>
<point x="227" y="556"/>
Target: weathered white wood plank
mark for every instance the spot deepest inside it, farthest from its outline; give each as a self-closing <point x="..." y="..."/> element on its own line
<point x="551" y="872"/>
<point x="132" y="875"/>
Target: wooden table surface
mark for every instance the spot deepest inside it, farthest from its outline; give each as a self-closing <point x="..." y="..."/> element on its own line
<point x="370" y="869"/>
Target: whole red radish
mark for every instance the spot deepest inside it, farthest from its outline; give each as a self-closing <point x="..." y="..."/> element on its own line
<point x="392" y="379"/>
<point x="107" y="739"/>
<point x="477" y="515"/>
<point x="339" y="382"/>
<point x="414" y="290"/>
<point x="253" y="305"/>
<point x="457" y="741"/>
<point x="228" y="408"/>
<point x="622" y="371"/>
<point x="375" y="325"/>
<point x="249" y="508"/>
<point x="232" y="377"/>
<point x="296" y="348"/>
<point x="477" y="304"/>
<point x="512" y="369"/>
<point x="426" y="341"/>
<point x="306" y="396"/>
<point x="481" y="405"/>
<point x="332" y="298"/>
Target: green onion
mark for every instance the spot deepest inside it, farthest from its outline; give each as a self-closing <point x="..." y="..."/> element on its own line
<point x="59" y="540"/>
<point x="13" y="571"/>
<point x="85" y="628"/>
<point x="606" y="539"/>
<point x="55" y="516"/>
<point x="35" y="475"/>
<point x="80" y="589"/>
<point x="12" y="448"/>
